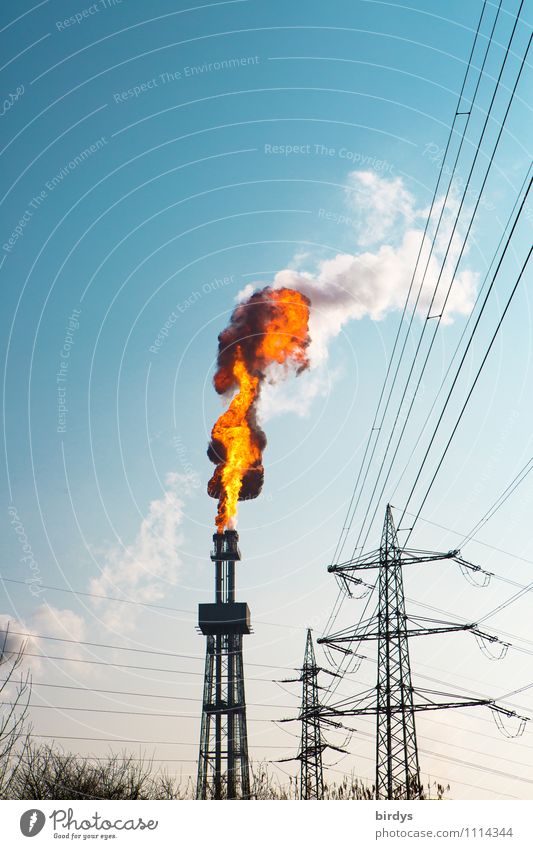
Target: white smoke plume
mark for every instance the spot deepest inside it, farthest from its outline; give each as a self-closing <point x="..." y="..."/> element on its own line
<point x="142" y="568"/>
<point x="373" y="283"/>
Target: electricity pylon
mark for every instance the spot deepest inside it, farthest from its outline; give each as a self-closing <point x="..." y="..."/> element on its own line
<point x="312" y="742"/>
<point x="396" y="701"/>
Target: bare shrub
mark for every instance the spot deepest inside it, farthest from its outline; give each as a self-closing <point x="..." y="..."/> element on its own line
<point x="15" y="692"/>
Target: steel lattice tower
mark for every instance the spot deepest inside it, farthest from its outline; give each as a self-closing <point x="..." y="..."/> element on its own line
<point x="396" y="700"/>
<point x="396" y="748"/>
<point x="312" y="742"/>
<point x="223" y="769"/>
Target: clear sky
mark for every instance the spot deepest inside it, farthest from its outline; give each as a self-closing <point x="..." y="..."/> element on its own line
<point x="159" y="159"/>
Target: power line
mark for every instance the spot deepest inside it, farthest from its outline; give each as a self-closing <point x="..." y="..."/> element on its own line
<point x="130" y="666"/>
<point x="447" y="758"/>
<point x="524" y="588"/>
<point x="123" y="712"/>
<point x="477" y="767"/>
<point x="428" y="220"/>
<point x="468" y="749"/>
<point x="128" y="693"/>
<point x="500" y="501"/>
<point x="492" y="574"/>
<point x="141" y="742"/>
<point x="454" y="726"/>
<point x="127" y="648"/>
<point x="374" y="428"/>
<point x="120" y="665"/>
<point x="97" y="595"/>
<point x="463" y="333"/>
<point x="480" y="369"/>
<point x="516" y="692"/>
<point x="507" y="603"/>
<point x="134" y="601"/>
<point x="335" y="612"/>
<point x="439" y="317"/>
<point x="363" y="719"/>
<point x="472" y="335"/>
<point x="257" y="745"/>
<point x="500" y="632"/>
<point x="147" y="742"/>
<point x="461" y="364"/>
<point x="452" y="760"/>
<point x="457" y="761"/>
<point x="194" y="657"/>
<point x="478" y="541"/>
<point x="395" y="700"/>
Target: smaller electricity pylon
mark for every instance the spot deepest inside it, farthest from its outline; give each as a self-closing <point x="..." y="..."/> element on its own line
<point x="312" y="742"/>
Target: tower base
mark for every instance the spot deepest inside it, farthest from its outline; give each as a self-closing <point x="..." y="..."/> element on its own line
<point x="223" y="771"/>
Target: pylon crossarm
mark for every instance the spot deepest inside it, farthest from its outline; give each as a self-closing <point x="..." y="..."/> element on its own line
<point x="446" y="705"/>
<point x="441" y="625"/>
<point x="360" y="706"/>
<point x="335" y="642"/>
<point x="409" y="556"/>
<point x="455" y="700"/>
<point x="425" y="632"/>
<point x="306" y="671"/>
<point x="430" y="555"/>
<point x="406" y="556"/>
<point x="354" y="565"/>
<point x="371" y="711"/>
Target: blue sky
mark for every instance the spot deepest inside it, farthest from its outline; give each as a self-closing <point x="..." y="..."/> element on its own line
<point x="177" y="157"/>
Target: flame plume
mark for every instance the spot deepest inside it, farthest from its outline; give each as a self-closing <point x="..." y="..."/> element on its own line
<point x="272" y="326"/>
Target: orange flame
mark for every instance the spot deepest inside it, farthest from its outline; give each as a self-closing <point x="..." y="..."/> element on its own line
<point x="234" y="432"/>
<point x="270" y="327"/>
